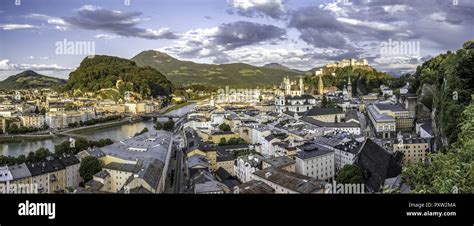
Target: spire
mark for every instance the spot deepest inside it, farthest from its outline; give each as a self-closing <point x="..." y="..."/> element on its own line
<point x="320" y="85"/>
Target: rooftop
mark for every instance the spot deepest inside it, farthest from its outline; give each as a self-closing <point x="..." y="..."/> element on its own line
<point x="323" y="111"/>
<point x="279" y="162"/>
<point x="379" y="117"/>
<point x="312" y="150"/>
<point x="390" y="107"/>
<point x="255" y="187"/>
<point x="292" y="181"/>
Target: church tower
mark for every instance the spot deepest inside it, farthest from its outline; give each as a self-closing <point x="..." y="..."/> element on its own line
<point x="287" y="86"/>
<point x="349" y="88"/>
<point x="301" y="86"/>
<point x="320" y="85"/>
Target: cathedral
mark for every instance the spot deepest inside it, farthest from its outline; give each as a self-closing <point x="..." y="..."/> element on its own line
<point x="292" y="88"/>
<point x="292" y="98"/>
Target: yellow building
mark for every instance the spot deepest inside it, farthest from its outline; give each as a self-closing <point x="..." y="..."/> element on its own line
<point x="225" y="160"/>
<point x="32" y="120"/>
<point x="120" y="173"/>
<point x="57" y="181"/>
<point x="209" y="152"/>
<point x="216" y="137"/>
<point x="413" y="149"/>
<point x="326" y="114"/>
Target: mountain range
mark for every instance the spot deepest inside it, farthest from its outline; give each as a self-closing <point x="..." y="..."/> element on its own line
<point x="30" y="80"/>
<point x="237" y="75"/>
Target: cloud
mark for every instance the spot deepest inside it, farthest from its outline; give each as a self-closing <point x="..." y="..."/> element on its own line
<point x="105" y="36"/>
<point x="58" y="23"/>
<point x="258" y="8"/>
<point x="241" y="33"/>
<point x="17" y="26"/>
<point x="213" y="42"/>
<point x="6" y="66"/>
<point x="91" y="17"/>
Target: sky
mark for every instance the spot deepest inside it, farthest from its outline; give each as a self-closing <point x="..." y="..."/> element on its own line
<point x="47" y="35"/>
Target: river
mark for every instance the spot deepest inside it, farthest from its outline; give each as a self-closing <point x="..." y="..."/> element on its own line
<point x="118" y="132"/>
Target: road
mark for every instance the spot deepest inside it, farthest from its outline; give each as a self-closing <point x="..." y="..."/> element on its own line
<point x="176" y="178"/>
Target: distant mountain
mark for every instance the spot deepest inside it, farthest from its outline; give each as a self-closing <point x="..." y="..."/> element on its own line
<point x="282" y="67"/>
<point x="237" y="75"/>
<point x="110" y="77"/>
<point x="30" y="80"/>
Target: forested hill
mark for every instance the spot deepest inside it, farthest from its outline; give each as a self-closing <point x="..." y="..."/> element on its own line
<point x="237" y="75"/>
<point x="445" y="84"/>
<point x="30" y="80"/>
<point x="106" y="75"/>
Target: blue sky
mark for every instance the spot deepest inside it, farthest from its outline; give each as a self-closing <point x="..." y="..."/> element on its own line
<point x="300" y="34"/>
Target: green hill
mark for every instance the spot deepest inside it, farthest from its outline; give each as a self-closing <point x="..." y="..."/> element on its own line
<point x="30" y="80"/>
<point x="111" y="77"/>
<point x="364" y="79"/>
<point x="444" y="85"/>
<point x="237" y="75"/>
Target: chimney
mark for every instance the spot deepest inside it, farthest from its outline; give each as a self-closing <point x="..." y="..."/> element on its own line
<point x="268" y="174"/>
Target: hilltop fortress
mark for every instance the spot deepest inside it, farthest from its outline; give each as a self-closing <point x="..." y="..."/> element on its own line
<point x="331" y="68"/>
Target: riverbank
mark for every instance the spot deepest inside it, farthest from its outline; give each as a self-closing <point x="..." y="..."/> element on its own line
<point x="177" y="106"/>
<point x="24" y="138"/>
<point x="184" y="104"/>
<point x="99" y="126"/>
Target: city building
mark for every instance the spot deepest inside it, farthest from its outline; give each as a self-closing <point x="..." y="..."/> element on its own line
<point x="292" y="88"/>
<point x="414" y="149"/>
<point x="284" y="182"/>
<point x="246" y="165"/>
<point x="314" y="160"/>
<point x="139" y="163"/>
<point x="377" y="164"/>
<point x="326" y="114"/>
<point x="403" y="120"/>
<point x="32" y="120"/>
<point x="383" y="125"/>
<point x="225" y="160"/>
<point x="282" y="162"/>
<point x="300" y="103"/>
<point x="253" y="187"/>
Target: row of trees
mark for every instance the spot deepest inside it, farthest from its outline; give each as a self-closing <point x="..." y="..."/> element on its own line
<point x="63" y="148"/>
<point x="14" y="129"/>
<point x="231" y="141"/>
<point x="94" y="121"/>
<point x="33" y="156"/>
<point x="80" y="145"/>
<point x="168" y="126"/>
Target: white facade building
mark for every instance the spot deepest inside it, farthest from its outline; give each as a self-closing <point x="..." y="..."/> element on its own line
<point x="316" y="161"/>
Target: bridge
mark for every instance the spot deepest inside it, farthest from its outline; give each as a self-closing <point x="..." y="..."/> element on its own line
<point x="157" y="116"/>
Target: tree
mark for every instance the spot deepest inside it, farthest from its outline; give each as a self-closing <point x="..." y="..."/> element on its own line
<point x="90" y="165"/>
<point x="224" y="127"/>
<point x="63" y="148"/>
<point x="41" y="154"/>
<point x="449" y="172"/>
<point x="232" y="141"/>
<point x="169" y="125"/>
<point x="43" y="111"/>
<point x="158" y="125"/>
<point x="350" y="174"/>
<point x="37" y="111"/>
<point x="222" y="141"/>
